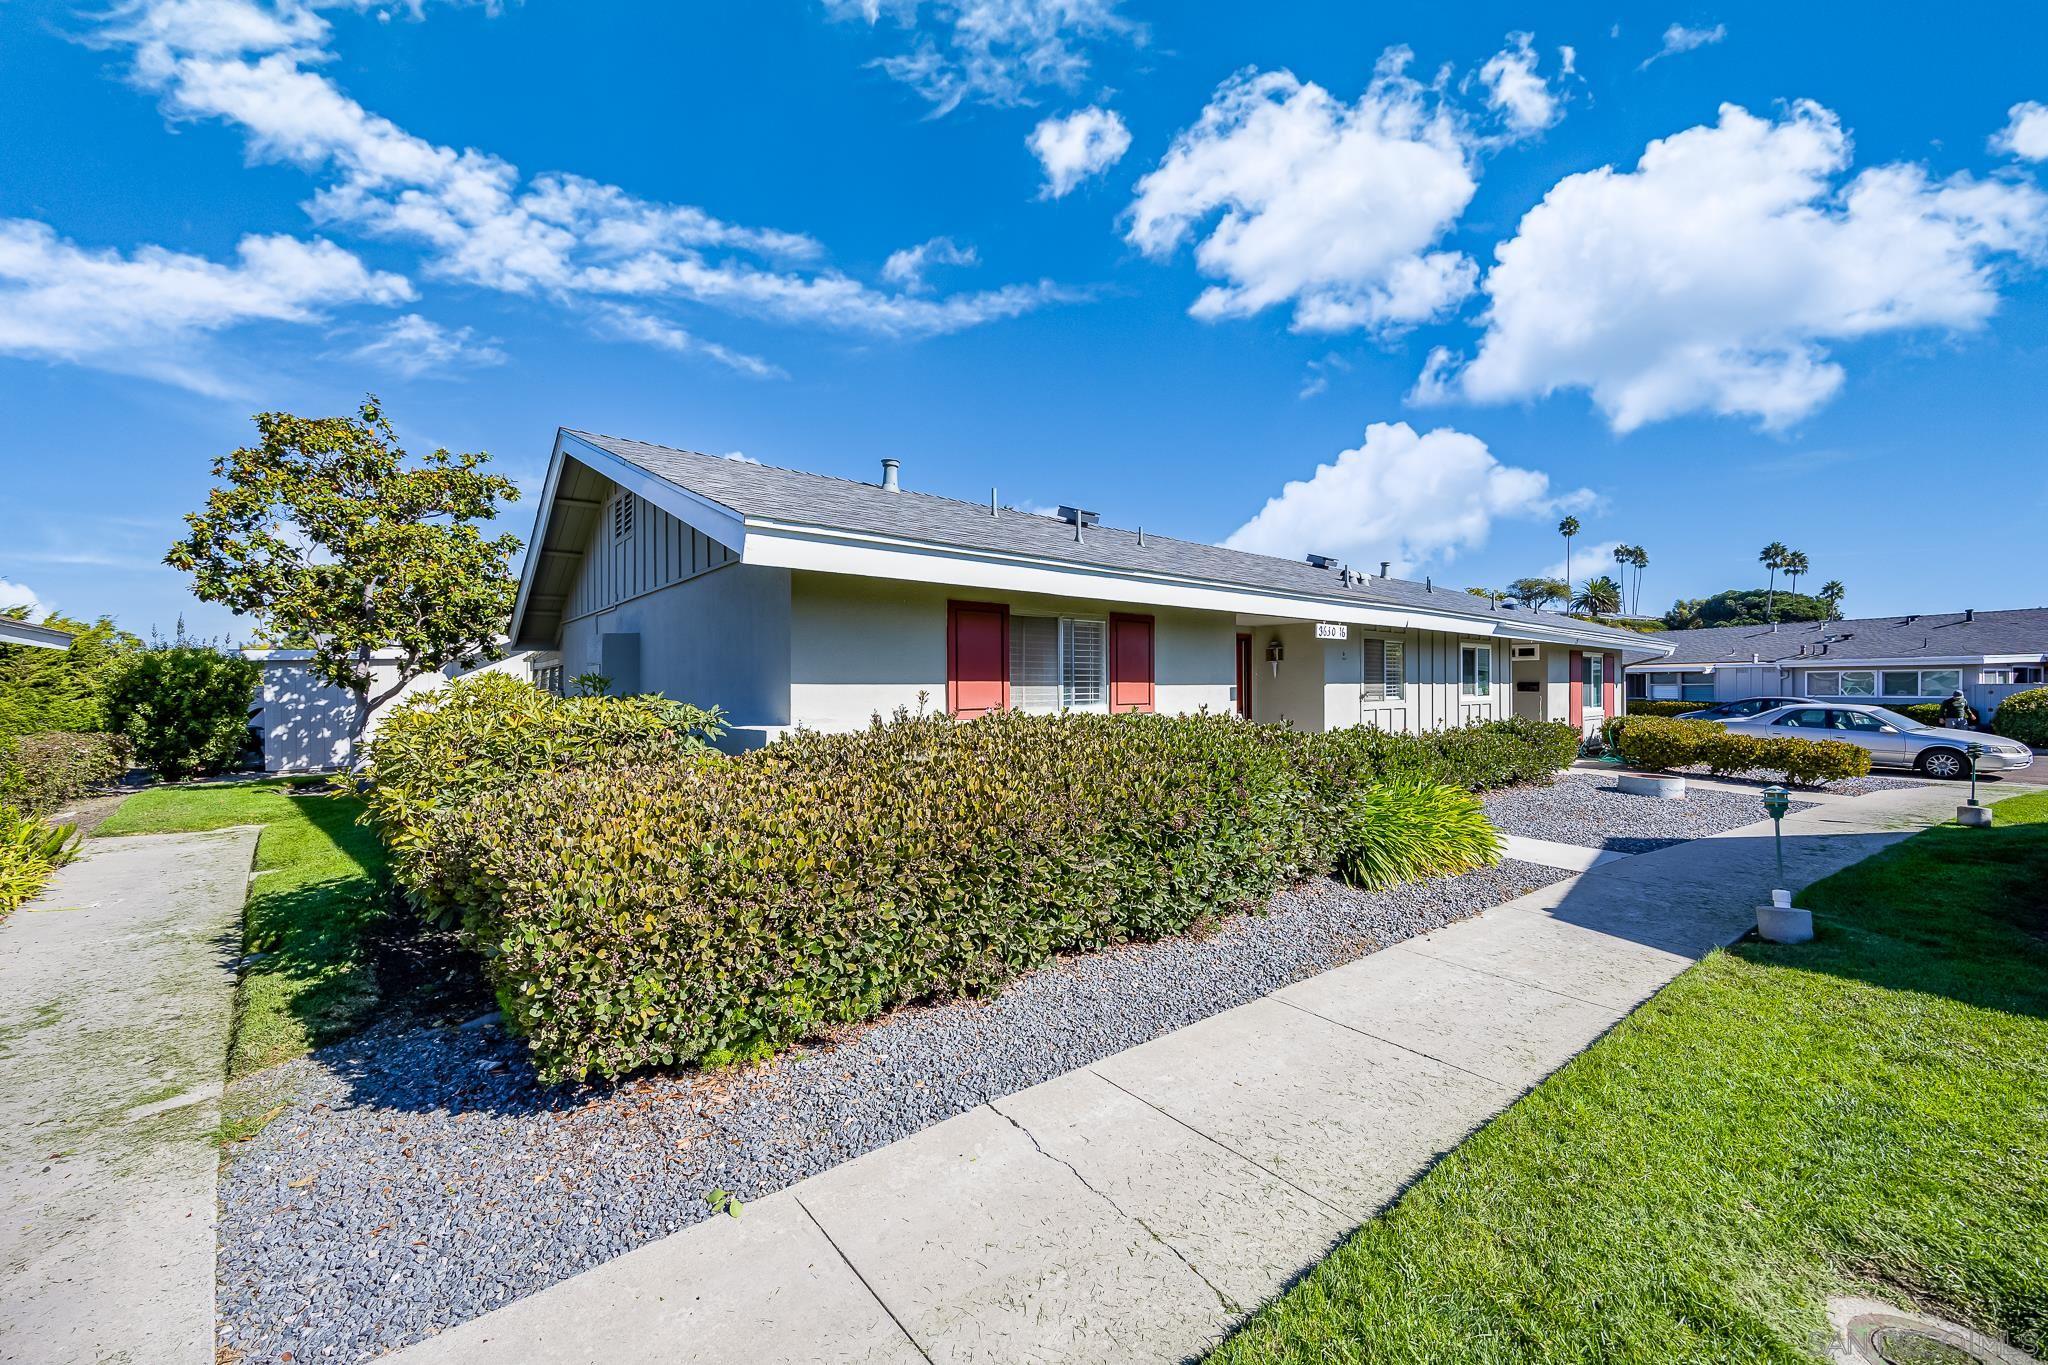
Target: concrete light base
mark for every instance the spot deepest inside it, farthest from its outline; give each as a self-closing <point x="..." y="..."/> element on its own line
<point x="1652" y="784"/>
<point x="1978" y="817"/>
<point x="1784" y="924"/>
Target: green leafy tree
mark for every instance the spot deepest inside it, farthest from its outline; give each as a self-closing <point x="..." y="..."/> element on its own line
<point x="1568" y="528"/>
<point x="42" y="690"/>
<point x="1597" y="597"/>
<point x="1744" y="607"/>
<point x="334" y="539"/>
<point x="1772" y="557"/>
<point x="184" y="706"/>
<point x="1831" y="593"/>
<point x="1537" y="593"/>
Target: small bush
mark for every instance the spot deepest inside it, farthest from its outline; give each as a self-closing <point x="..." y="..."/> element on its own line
<point x="1657" y="743"/>
<point x="184" y="707"/>
<point x="30" y="852"/>
<point x="40" y="773"/>
<point x="1640" y="706"/>
<point x="445" y="746"/>
<point x="660" y="913"/>
<point x="2023" y="716"/>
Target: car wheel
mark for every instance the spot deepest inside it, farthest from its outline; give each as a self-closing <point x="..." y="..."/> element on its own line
<point x="1945" y="764"/>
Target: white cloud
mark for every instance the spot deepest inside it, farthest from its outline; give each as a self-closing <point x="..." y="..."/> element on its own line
<point x="2026" y="134"/>
<point x="478" y="218"/>
<point x="630" y="324"/>
<point x="1084" y="143"/>
<point x="1711" y="277"/>
<point x="1329" y="206"/>
<point x="141" y="313"/>
<point x="1412" y="498"/>
<point x="1588" y="561"/>
<point x="1678" y="38"/>
<point x="19" y="595"/>
<point x="992" y="51"/>
<point x="906" y="268"/>
<point x="1516" y="91"/>
<point x="413" y="345"/>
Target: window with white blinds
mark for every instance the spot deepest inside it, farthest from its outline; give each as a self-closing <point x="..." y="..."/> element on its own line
<point x="1384" y="670"/>
<point x="1058" y="664"/>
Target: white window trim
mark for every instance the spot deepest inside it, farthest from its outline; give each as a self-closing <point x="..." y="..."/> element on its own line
<point x="1466" y="689"/>
<point x="1388" y="643"/>
<point x="1593" y="695"/>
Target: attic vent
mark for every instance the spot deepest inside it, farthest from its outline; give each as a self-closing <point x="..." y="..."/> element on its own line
<point x="622" y="517"/>
<point x="1320" y="561"/>
<point x="1074" y="516"/>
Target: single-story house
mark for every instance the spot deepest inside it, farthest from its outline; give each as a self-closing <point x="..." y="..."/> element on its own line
<point x="18" y="632"/>
<point x="794" y="599"/>
<point x="305" y="723"/>
<point x="1989" y="655"/>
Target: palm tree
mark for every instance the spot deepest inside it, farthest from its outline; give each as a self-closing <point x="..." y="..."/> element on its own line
<point x="1832" y="592"/>
<point x="1597" y="597"/>
<point x="1568" y="528"/>
<point x="1796" y="564"/>
<point x="1772" y="557"/>
<point x="1624" y="555"/>
<point x="1640" y="559"/>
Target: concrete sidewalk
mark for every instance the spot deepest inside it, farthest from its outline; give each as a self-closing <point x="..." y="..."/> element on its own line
<point x="116" y="993"/>
<point x="1137" y="1209"/>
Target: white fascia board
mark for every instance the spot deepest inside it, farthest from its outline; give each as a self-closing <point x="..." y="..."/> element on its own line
<point x="821" y="550"/>
<point x="714" y="519"/>
<point x="15" y="632"/>
<point x="531" y="564"/>
<point x="1666" y="666"/>
<point x="1829" y="663"/>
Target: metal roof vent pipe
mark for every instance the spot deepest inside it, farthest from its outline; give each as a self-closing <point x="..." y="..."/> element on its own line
<point x="1385" y="564"/>
<point x="1969" y="613"/>
<point x="889" y="480"/>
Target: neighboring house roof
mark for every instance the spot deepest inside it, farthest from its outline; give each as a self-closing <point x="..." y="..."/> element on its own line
<point x="784" y="504"/>
<point x="18" y="632"/>
<point x="2016" y="636"/>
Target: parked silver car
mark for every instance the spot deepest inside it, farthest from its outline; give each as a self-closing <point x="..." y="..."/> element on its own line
<point x="1894" y="741"/>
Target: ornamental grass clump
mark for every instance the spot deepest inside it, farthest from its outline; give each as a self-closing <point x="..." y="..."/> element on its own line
<point x="703" y="909"/>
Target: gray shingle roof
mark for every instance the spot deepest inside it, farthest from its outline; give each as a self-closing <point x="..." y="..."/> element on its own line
<point x="1944" y="635"/>
<point x="757" y="490"/>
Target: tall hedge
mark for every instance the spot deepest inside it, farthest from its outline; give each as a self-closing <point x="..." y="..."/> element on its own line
<point x="185" y="707"/>
<point x="2023" y="716"/>
<point x="705" y="908"/>
<point x="1642" y="706"/>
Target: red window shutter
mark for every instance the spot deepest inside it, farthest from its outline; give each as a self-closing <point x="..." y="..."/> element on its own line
<point x="1130" y="662"/>
<point x="977" y="658"/>
<point x="1577" y="704"/>
<point x="1610" y="679"/>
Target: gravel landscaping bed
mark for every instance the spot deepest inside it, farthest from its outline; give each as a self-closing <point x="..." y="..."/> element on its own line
<point x="1587" y="809"/>
<point x="1844" y="786"/>
<point x="420" y="1176"/>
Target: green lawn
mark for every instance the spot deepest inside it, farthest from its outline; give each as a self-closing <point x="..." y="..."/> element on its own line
<point x="310" y="910"/>
<point x="1868" y="1110"/>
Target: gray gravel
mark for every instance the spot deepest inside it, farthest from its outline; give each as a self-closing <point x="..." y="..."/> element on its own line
<point x="1845" y="786"/>
<point x="421" y="1176"/>
<point x="1589" y="810"/>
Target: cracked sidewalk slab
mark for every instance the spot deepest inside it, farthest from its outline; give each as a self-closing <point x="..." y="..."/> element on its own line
<point x="116" y="997"/>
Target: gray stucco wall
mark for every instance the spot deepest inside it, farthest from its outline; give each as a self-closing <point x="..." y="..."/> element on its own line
<point x="718" y="639"/>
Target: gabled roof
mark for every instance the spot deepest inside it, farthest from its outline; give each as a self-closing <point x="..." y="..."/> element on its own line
<point x="786" y="500"/>
<point x="1945" y="635"/>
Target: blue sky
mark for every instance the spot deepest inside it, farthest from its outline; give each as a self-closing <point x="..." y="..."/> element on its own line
<point x="1714" y="277"/>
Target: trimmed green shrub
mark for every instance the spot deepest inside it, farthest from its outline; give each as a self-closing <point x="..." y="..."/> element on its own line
<point x="2023" y="716"/>
<point x="442" y="747"/>
<point x="39" y="773"/>
<point x="184" y="707"/>
<point x="711" y="908"/>
<point x="30" y="851"/>
<point x="1655" y="742"/>
<point x="1641" y="706"/>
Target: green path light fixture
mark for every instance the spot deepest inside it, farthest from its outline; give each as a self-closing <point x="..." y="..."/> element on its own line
<point x="1781" y="921"/>
<point x="1974" y="814"/>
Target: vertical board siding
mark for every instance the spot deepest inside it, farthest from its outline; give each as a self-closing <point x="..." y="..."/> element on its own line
<point x="660" y="550"/>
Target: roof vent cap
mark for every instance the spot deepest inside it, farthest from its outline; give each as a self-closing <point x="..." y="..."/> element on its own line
<point x="1385" y="564"/>
<point x="1969" y="613"/>
<point x="1321" y="561"/>
<point x="889" y="480"/>
<point x="1075" y="516"/>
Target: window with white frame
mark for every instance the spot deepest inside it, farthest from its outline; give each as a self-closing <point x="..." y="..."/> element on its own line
<point x="1596" y="683"/>
<point x="2023" y="674"/>
<point x="1889" y="682"/>
<point x="1475" y="670"/>
<point x="1383" y="676"/>
<point x="1058" y="663"/>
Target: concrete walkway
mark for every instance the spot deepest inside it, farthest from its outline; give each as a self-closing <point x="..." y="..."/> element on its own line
<point x="116" y="992"/>
<point x="1137" y="1209"/>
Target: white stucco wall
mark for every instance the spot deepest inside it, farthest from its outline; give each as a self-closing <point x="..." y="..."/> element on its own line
<point x="305" y="723"/>
<point x="865" y="646"/>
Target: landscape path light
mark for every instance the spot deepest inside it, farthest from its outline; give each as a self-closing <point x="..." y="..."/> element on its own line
<point x="1974" y="814"/>
<point x="1781" y="921"/>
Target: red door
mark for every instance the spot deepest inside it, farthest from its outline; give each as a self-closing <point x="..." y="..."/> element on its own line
<point x="977" y="658"/>
<point x="1244" y="676"/>
<point x="1130" y="662"/>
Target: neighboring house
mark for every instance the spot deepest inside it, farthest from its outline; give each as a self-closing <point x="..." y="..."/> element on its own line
<point x="305" y="723"/>
<point x="1989" y="655"/>
<point x="794" y="599"/>
<point x="17" y="632"/>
